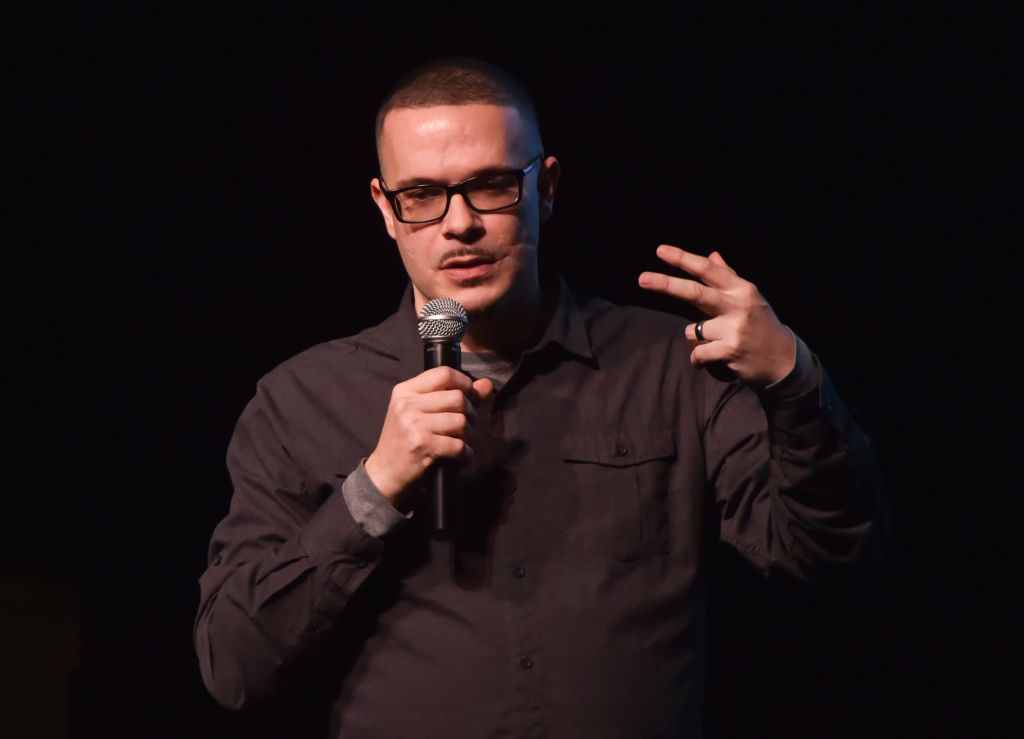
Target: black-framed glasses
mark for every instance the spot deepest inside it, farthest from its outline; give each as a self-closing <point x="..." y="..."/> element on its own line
<point x="484" y="193"/>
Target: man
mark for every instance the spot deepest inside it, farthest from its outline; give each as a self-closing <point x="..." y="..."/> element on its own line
<point x="597" y="453"/>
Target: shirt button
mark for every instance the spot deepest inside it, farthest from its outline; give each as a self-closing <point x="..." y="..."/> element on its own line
<point x="519" y="572"/>
<point x="526" y="663"/>
<point x="621" y="450"/>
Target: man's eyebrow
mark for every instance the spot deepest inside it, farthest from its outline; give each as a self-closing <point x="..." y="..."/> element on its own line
<point x="411" y="181"/>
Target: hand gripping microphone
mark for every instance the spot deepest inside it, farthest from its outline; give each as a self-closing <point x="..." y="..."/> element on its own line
<point x="442" y="324"/>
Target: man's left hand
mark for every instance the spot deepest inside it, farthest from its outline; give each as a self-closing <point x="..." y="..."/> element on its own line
<point x="741" y="331"/>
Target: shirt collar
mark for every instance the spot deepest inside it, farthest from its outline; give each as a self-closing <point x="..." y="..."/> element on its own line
<point x="567" y="326"/>
<point x="398" y="338"/>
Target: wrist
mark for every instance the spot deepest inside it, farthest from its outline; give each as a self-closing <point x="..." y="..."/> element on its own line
<point x="384" y="482"/>
<point x="785" y="360"/>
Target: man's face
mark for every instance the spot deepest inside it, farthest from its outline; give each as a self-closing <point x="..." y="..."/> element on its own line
<point x="482" y="260"/>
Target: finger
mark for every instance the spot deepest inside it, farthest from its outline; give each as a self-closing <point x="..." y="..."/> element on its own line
<point x="717" y="259"/>
<point x="450" y="447"/>
<point x="709" y="271"/>
<point x="708" y="330"/>
<point x="440" y="378"/>
<point x="447" y="424"/>
<point x="455" y="447"/>
<point x="438" y="401"/>
<point x="706" y="353"/>
<point x="482" y="389"/>
<point x="710" y="300"/>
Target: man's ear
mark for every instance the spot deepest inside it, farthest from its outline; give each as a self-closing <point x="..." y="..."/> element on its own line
<point x="377" y="193"/>
<point x="547" y="180"/>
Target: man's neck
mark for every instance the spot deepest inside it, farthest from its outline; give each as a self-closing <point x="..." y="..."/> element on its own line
<point x="509" y="329"/>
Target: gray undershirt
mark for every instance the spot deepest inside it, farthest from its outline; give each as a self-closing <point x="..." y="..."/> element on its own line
<point x="490" y="365"/>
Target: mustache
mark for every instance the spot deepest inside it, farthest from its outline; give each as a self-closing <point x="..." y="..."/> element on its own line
<point x="462" y="252"/>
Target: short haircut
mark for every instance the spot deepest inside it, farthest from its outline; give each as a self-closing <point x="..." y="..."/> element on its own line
<point x="457" y="81"/>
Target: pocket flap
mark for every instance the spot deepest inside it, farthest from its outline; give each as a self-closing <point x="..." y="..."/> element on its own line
<point x="618" y="446"/>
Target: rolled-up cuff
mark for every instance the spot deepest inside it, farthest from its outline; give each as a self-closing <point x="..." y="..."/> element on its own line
<point x="367" y="504"/>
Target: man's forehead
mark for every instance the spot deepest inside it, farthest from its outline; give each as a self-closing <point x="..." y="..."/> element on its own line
<point x="493" y="130"/>
<point x="455" y="114"/>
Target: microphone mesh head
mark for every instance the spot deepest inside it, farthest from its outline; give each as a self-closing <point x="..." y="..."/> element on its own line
<point x="442" y="318"/>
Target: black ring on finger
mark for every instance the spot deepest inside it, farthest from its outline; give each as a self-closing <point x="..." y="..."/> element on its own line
<point x="699" y="330"/>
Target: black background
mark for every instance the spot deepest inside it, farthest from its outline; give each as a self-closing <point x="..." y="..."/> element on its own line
<point x="191" y="206"/>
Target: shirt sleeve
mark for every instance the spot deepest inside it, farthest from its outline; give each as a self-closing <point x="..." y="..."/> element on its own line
<point x="283" y="565"/>
<point x="367" y="504"/>
<point x="795" y="478"/>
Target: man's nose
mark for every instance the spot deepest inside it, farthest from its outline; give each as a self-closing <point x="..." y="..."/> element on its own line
<point x="461" y="221"/>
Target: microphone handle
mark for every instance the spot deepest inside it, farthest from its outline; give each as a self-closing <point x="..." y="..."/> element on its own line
<point x="442" y="354"/>
<point x="444" y="476"/>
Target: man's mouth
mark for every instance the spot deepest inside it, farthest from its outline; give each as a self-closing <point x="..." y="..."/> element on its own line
<point x="464" y="262"/>
<point x="467" y="266"/>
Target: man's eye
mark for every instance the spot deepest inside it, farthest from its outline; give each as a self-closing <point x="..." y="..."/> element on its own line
<point x="496" y="183"/>
<point x="423" y="196"/>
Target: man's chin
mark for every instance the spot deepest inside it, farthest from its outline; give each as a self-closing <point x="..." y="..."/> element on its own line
<point x="479" y="295"/>
<point x="477" y="305"/>
<point x="471" y="282"/>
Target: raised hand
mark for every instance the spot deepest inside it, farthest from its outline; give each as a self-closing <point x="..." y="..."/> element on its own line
<point x="741" y="331"/>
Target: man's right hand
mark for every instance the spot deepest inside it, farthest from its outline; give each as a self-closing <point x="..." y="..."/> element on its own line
<point x="429" y="418"/>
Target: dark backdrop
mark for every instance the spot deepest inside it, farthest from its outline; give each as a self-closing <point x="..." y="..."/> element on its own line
<point x="192" y="207"/>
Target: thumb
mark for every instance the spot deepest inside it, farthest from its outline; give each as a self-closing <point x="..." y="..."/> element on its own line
<point x="483" y="389"/>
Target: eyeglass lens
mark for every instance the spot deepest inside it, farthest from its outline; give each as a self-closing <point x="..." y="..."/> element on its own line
<point x="488" y="192"/>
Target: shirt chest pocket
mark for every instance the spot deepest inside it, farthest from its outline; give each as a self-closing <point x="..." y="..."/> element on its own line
<point x="616" y="489"/>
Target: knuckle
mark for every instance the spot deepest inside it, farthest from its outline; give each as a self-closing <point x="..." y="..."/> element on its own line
<point x="419" y="444"/>
<point x="406" y="403"/>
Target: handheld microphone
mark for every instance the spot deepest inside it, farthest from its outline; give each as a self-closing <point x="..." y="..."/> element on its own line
<point x="442" y="324"/>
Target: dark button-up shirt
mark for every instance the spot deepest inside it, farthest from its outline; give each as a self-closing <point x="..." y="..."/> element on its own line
<point x="569" y="601"/>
